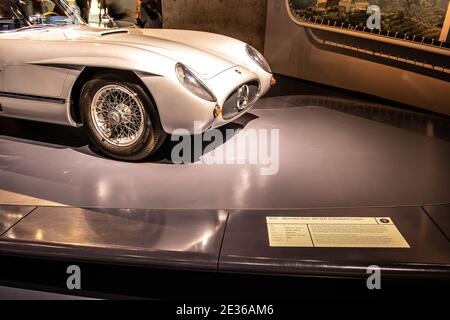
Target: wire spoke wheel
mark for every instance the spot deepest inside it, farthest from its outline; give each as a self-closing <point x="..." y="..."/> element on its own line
<point x="118" y="115"/>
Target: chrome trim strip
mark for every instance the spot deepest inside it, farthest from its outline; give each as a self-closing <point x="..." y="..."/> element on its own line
<point x="31" y="97"/>
<point x="80" y="67"/>
<point x="143" y="74"/>
<point x="62" y="66"/>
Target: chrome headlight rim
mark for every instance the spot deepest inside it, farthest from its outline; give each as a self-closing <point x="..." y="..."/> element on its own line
<point x="258" y="58"/>
<point x="199" y="88"/>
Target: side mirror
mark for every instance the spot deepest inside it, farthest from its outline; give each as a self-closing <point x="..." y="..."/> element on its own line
<point x="109" y="22"/>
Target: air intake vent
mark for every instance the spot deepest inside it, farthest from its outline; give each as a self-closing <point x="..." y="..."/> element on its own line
<point x="241" y="99"/>
<point x="107" y="33"/>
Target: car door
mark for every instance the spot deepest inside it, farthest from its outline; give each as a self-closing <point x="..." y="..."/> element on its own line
<point x="2" y="64"/>
<point x="6" y="24"/>
<point x="24" y="74"/>
<point x="20" y="52"/>
<point x="30" y="88"/>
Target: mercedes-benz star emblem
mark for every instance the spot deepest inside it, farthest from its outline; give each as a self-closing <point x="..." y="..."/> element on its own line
<point x="243" y="97"/>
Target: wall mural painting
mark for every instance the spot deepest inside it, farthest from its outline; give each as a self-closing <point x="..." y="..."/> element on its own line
<point x="418" y="20"/>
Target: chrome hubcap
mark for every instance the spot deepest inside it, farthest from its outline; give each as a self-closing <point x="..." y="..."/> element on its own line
<point x="114" y="118"/>
<point x="118" y="115"/>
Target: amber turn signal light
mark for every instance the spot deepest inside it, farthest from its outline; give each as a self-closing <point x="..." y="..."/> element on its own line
<point x="217" y="111"/>
<point x="274" y="81"/>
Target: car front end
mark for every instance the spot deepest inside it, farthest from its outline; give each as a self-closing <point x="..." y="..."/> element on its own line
<point x="196" y="103"/>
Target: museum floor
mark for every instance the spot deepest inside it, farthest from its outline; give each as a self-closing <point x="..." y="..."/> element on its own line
<point x="327" y="159"/>
<point x="337" y="158"/>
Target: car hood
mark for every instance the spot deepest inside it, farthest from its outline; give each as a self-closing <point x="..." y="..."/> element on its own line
<point x="206" y="64"/>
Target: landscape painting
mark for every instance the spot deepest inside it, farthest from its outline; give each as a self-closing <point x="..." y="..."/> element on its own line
<point x="409" y="18"/>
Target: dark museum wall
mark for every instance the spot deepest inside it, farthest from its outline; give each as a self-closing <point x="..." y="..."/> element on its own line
<point x="241" y="19"/>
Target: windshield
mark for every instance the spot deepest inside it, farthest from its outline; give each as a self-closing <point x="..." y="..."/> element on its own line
<point x="24" y="14"/>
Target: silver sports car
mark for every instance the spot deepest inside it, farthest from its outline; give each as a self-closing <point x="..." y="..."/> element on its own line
<point x="128" y="87"/>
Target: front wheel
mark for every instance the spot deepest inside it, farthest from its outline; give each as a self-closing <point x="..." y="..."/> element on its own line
<point x="121" y="119"/>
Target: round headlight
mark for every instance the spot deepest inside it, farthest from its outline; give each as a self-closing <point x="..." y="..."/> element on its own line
<point x="258" y="58"/>
<point x="193" y="84"/>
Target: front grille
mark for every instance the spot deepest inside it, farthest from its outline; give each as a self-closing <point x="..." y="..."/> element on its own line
<point x="232" y="107"/>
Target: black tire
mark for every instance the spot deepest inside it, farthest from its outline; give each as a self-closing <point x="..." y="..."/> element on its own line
<point x="149" y="141"/>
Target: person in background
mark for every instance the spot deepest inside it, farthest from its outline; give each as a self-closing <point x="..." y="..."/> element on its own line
<point x="47" y="6"/>
<point x="27" y="6"/>
<point x="150" y="14"/>
<point x="33" y="7"/>
<point x="85" y="8"/>
<point x="122" y="10"/>
<point x="102" y="7"/>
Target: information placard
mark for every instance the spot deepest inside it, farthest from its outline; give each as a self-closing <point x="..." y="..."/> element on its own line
<point x="334" y="232"/>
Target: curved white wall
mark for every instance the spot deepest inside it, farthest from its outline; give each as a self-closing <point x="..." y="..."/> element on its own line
<point x="290" y="50"/>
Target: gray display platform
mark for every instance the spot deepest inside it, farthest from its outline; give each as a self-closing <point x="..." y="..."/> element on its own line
<point x="326" y="159"/>
<point x="235" y="241"/>
<point x="212" y="218"/>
